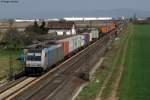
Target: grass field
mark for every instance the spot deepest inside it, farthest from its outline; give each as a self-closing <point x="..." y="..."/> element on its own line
<point x="135" y="82"/>
<point x="5" y="62"/>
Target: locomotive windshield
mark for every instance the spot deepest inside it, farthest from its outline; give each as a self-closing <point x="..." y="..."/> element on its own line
<point x="34" y="55"/>
<point x="34" y="50"/>
<point x="33" y="58"/>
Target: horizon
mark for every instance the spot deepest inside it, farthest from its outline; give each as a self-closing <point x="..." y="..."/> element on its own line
<point x="127" y="12"/>
<point x="59" y="9"/>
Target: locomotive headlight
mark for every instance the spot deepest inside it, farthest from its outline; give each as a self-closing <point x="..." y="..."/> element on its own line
<point x="28" y="65"/>
<point x="38" y="65"/>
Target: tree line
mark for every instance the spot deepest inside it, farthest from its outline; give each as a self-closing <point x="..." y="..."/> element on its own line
<point x="12" y="38"/>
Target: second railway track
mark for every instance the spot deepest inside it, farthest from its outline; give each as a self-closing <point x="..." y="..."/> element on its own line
<point x="15" y="88"/>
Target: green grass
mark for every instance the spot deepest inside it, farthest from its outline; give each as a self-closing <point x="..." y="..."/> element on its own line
<point x="135" y="83"/>
<point x="4" y="62"/>
<point x="89" y="92"/>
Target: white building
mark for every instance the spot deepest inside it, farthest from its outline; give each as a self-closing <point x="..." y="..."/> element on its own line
<point x="86" y="18"/>
<point x="61" y="28"/>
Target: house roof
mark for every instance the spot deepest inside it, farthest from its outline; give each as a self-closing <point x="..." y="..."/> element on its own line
<point x="60" y="25"/>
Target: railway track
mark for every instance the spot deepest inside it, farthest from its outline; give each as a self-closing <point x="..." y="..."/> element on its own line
<point x="10" y="84"/>
<point x="47" y="86"/>
<point x="9" y="91"/>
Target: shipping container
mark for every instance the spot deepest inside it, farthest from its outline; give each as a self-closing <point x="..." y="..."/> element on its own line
<point x="80" y="41"/>
<point x="72" y="44"/>
<point x="94" y="34"/>
<point x="104" y="29"/>
<point x="54" y="54"/>
<point x="86" y="37"/>
<point x="75" y="42"/>
<point x="65" y="44"/>
<point x="90" y="39"/>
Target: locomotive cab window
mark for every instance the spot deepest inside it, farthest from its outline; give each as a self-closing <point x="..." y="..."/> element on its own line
<point x="34" y="58"/>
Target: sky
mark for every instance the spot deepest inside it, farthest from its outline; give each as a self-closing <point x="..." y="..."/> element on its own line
<point x="56" y="8"/>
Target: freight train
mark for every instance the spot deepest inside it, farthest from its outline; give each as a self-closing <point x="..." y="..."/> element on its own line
<point x="45" y="55"/>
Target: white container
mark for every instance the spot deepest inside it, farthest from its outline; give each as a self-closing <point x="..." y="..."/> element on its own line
<point x="75" y="42"/>
<point x="80" y="41"/>
<point x="94" y="34"/>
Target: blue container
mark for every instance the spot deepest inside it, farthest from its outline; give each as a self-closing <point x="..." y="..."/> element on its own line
<point x="54" y="54"/>
<point x="49" y="57"/>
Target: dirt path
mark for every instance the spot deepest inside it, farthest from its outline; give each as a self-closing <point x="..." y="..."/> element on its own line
<point x="115" y="84"/>
<point x="98" y="97"/>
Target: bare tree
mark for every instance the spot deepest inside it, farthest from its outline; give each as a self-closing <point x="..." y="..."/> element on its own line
<point x="10" y="48"/>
